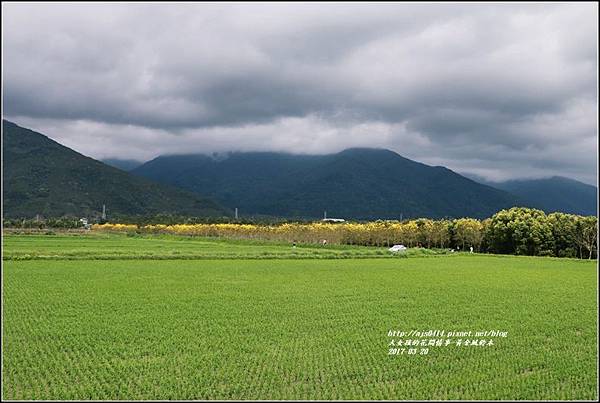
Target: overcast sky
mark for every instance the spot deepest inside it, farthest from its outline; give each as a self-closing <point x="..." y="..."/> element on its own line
<point x="498" y="90"/>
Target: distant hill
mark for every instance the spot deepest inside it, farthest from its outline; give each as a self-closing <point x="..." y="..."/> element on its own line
<point x="40" y="176"/>
<point x="554" y="194"/>
<point x="124" y="165"/>
<point x="356" y="183"/>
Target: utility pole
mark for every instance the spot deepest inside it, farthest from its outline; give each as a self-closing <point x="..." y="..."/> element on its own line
<point x="325" y="214"/>
<point x="104" y="212"/>
<point x="236" y="213"/>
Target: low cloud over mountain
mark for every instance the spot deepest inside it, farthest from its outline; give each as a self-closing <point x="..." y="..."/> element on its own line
<point x="497" y="90"/>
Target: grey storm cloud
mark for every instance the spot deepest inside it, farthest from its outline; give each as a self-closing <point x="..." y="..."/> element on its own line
<point x="497" y="90"/>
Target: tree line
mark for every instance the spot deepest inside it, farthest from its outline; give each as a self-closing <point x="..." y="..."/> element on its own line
<point x="518" y="231"/>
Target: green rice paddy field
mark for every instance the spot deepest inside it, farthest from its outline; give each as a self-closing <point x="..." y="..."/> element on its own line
<point x="116" y="317"/>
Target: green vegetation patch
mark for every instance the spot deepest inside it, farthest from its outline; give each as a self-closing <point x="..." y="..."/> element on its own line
<point x="103" y="246"/>
<point x="296" y="329"/>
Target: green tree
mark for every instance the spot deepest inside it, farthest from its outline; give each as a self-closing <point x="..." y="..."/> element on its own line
<point x="563" y="233"/>
<point x="586" y="234"/>
<point x="522" y="231"/>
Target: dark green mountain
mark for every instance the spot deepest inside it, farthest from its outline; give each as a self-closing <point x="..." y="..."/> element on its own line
<point x="124" y="165"/>
<point x="355" y="184"/>
<point x="40" y="176"/>
<point x="554" y="194"/>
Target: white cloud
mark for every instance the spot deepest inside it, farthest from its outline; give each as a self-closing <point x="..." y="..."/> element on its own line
<point x="495" y="89"/>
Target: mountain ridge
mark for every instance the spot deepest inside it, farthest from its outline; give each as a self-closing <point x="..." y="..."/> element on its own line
<point x="122" y="164"/>
<point x="359" y="183"/>
<point x="555" y="193"/>
<point x="41" y="176"/>
<point x="44" y="177"/>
